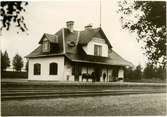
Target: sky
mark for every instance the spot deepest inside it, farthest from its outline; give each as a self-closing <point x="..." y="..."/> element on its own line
<point x="49" y="16"/>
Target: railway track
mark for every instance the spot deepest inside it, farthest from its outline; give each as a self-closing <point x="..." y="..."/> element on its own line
<point x="28" y="90"/>
<point x="27" y="94"/>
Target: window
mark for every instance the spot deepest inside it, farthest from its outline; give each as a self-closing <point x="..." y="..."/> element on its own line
<point x="53" y="69"/>
<point x="37" y="69"/>
<point x="98" y="50"/>
<point x="45" y="46"/>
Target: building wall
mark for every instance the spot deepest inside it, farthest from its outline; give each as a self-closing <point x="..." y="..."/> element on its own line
<point x="84" y="69"/>
<point x="68" y="72"/>
<point x="65" y="70"/>
<point x="45" y="68"/>
<point x="108" y="73"/>
<point x="89" y="48"/>
<point x="121" y="73"/>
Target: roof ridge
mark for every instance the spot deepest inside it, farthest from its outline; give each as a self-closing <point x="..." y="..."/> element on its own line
<point x="47" y="33"/>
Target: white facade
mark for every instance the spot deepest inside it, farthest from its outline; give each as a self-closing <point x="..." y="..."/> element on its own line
<point x="44" y="74"/>
<point x="89" y="48"/>
<point x="64" y="72"/>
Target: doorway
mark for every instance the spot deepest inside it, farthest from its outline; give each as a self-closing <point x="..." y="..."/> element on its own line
<point x="98" y="73"/>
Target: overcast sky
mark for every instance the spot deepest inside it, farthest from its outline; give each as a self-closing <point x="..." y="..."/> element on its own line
<point x="49" y="16"/>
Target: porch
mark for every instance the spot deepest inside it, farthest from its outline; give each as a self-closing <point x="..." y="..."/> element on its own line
<point x="88" y="72"/>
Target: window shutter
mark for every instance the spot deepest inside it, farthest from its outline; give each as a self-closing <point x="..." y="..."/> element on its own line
<point x="100" y="51"/>
<point x="95" y="50"/>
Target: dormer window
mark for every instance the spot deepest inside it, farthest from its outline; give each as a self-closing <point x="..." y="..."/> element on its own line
<point x="97" y="50"/>
<point x="46" y="47"/>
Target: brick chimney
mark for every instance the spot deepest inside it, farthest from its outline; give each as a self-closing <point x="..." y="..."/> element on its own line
<point x="70" y="25"/>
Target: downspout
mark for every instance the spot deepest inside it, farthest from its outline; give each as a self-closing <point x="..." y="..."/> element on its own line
<point x="107" y="74"/>
<point x="64" y="51"/>
<point x="64" y="47"/>
<point x="77" y="38"/>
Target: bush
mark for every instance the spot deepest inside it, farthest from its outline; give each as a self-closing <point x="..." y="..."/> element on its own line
<point x="11" y="74"/>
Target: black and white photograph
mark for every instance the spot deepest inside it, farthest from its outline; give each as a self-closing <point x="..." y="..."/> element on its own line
<point x="83" y="58"/>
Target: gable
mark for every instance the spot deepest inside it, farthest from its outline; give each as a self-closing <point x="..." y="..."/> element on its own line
<point x="45" y="39"/>
<point x="98" y="40"/>
<point x="49" y="37"/>
<point x="87" y="35"/>
<point x="91" y="47"/>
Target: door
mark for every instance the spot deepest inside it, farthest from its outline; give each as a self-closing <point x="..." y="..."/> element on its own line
<point x="115" y="74"/>
<point x="76" y="71"/>
<point x="98" y="73"/>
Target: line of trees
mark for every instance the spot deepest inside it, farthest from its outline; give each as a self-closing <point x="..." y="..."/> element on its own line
<point x="17" y="62"/>
<point x="149" y="72"/>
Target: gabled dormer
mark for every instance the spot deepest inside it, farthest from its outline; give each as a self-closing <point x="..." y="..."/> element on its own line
<point x="94" y="42"/>
<point x="96" y="47"/>
<point x="49" y="43"/>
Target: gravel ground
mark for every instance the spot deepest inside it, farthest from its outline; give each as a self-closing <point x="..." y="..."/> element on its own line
<point x="126" y="105"/>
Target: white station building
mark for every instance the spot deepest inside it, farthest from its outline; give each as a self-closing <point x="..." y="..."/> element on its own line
<point x="71" y="55"/>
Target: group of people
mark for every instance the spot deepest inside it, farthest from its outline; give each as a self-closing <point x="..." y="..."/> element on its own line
<point x="94" y="76"/>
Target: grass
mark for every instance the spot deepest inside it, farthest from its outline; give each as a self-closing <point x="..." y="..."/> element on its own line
<point x="127" y="105"/>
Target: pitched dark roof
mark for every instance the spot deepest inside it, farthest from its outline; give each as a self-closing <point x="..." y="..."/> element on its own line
<point x="38" y="53"/>
<point x="116" y="57"/>
<point x="86" y="36"/>
<point x="35" y="52"/>
<point x="73" y="47"/>
<point x="82" y="38"/>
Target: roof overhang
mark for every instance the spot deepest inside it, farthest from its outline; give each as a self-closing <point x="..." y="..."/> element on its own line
<point x="43" y="56"/>
<point x="96" y="60"/>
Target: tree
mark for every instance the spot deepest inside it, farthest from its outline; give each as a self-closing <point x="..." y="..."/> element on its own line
<point x="135" y="74"/>
<point x="148" y="20"/>
<point x="17" y="62"/>
<point x="138" y="72"/>
<point x="12" y="12"/>
<point x="149" y="71"/>
<point x="5" y="61"/>
<point x="128" y="73"/>
<point x="161" y="73"/>
<point x="26" y="66"/>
